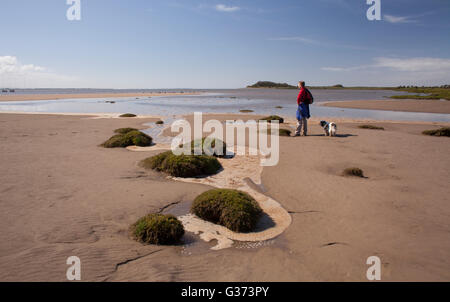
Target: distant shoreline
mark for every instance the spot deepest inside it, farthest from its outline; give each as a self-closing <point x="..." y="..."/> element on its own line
<point x="426" y="106"/>
<point x="46" y="97"/>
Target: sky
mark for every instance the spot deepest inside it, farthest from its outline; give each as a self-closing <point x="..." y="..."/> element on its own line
<point x="222" y="44"/>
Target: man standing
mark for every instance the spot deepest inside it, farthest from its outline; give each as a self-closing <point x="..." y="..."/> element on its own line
<point x="304" y="99"/>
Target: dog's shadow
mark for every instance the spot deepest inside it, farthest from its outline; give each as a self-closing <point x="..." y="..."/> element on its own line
<point x="345" y="135"/>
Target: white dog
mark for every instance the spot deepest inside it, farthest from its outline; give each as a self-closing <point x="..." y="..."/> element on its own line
<point x="330" y="128"/>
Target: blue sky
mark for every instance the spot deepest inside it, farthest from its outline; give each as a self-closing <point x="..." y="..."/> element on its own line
<point x="223" y="44"/>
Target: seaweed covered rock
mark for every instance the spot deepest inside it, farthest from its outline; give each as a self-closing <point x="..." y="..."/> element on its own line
<point x="128" y="115"/>
<point x="183" y="165"/>
<point x="158" y="229"/>
<point x="273" y="118"/>
<point x="209" y="146"/>
<point x="130" y="138"/>
<point x="124" y="130"/>
<point x="284" y="132"/>
<point x="281" y="132"/>
<point x="372" y="127"/>
<point x="235" y="210"/>
<point x="445" y="131"/>
<point x="353" y="172"/>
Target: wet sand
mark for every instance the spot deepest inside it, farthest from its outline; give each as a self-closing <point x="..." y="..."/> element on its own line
<point x="42" y="97"/>
<point x="428" y="106"/>
<point x="62" y="195"/>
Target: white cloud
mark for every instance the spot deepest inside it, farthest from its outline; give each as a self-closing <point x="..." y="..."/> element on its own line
<point x="397" y="19"/>
<point x="10" y="64"/>
<point x="386" y="71"/>
<point x="407" y="19"/>
<point x="226" y="9"/>
<point x="15" y="74"/>
<point x="399" y="64"/>
<point x="414" y="64"/>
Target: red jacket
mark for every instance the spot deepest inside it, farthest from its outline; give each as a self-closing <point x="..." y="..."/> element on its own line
<point x="302" y="96"/>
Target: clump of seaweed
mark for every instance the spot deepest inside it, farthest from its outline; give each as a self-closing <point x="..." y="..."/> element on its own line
<point x="235" y="210"/>
<point x="445" y="131"/>
<point x="373" y="127"/>
<point x="125" y="130"/>
<point x="158" y="229"/>
<point x="128" y="137"/>
<point x="281" y="132"/>
<point x="273" y="118"/>
<point x="208" y="146"/>
<point x="183" y="165"/>
<point x="353" y="172"/>
<point x="128" y="115"/>
<point x="284" y="132"/>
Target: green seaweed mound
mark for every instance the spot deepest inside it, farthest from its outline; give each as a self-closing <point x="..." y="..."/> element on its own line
<point x="124" y="130"/>
<point x="235" y="210"/>
<point x="209" y="145"/>
<point x="183" y="165"/>
<point x="373" y="127"/>
<point x="128" y="115"/>
<point x="281" y="132"/>
<point x="158" y="229"/>
<point x="131" y="138"/>
<point x="284" y="132"/>
<point x="353" y="172"/>
<point x="445" y="131"/>
<point x="273" y="118"/>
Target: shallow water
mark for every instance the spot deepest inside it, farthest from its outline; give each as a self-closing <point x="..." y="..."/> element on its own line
<point x="262" y="101"/>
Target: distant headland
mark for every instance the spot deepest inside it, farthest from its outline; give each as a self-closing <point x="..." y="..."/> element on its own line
<point x="268" y="84"/>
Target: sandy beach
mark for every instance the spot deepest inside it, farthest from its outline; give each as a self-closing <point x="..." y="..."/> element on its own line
<point x="63" y="195"/>
<point x="429" y="106"/>
<point x="42" y="97"/>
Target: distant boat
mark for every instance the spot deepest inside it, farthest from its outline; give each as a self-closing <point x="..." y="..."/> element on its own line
<point x="12" y="90"/>
<point x="4" y="90"/>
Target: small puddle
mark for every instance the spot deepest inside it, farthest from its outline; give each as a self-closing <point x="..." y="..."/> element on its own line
<point x="178" y="209"/>
<point x="253" y="245"/>
<point x="156" y="131"/>
<point x="193" y="245"/>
